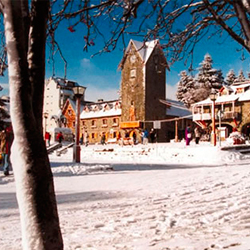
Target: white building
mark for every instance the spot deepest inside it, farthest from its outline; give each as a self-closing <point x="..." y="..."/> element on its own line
<point x="56" y="92"/>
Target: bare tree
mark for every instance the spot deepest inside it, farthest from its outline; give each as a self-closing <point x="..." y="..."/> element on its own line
<point x="26" y="23"/>
<point x="25" y="34"/>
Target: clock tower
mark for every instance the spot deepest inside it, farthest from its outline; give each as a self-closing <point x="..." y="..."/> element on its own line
<point x="143" y="85"/>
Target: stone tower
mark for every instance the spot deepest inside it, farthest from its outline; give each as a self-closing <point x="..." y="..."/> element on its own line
<point x="143" y="84"/>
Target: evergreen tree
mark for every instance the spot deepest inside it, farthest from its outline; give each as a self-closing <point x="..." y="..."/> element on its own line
<point x="190" y="90"/>
<point x="230" y="78"/>
<point x="240" y="78"/>
<point x="208" y="77"/>
<point x="184" y="88"/>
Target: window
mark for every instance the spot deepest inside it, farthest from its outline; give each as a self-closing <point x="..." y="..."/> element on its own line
<point x="132" y="73"/>
<point x="115" y="122"/>
<point x="69" y="112"/>
<point x="74" y="124"/>
<point x="93" y="123"/>
<point x="83" y="123"/>
<point x="93" y="135"/>
<point x="104" y="123"/>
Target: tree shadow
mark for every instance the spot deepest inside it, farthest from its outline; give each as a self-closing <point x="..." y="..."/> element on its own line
<point x="9" y="201"/>
<point x="79" y="169"/>
<point x="86" y="197"/>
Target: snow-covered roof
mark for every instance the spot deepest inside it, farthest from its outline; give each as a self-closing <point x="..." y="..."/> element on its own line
<point x="220" y="99"/>
<point x="67" y="92"/>
<point x="65" y="82"/>
<point x="177" y="109"/>
<point x="104" y="109"/>
<point x="243" y="85"/>
<point x="244" y="96"/>
<point x="145" y="49"/>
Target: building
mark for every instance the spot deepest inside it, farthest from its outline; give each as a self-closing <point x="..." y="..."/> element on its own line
<point x="143" y="85"/>
<point x="56" y="92"/>
<point x="101" y="118"/>
<point x="232" y="109"/>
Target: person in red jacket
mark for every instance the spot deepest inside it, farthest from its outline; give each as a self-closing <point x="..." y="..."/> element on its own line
<point x="59" y="137"/>
<point x="47" y="138"/>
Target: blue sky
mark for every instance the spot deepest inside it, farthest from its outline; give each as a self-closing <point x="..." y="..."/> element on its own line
<point x="101" y="76"/>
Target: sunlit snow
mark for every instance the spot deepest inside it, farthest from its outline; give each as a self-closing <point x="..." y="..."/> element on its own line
<point x="157" y="196"/>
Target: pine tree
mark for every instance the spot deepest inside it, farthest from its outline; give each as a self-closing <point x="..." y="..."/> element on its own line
<point x="230" y="78"/>
<point x="240" y="78"/>
<point x="208" y="77"/>
<point x="185" y="88"/>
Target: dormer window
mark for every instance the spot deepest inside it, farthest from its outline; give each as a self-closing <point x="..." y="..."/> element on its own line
<point x="240" y="90"/>
<point x="106" y="107"/>
<point x="96" y="108"/>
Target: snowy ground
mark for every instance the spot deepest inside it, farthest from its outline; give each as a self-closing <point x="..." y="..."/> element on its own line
<point x="159" y="197"/>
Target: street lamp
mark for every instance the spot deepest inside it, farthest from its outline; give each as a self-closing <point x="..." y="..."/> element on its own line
<point x="213" y="97"/>
<point x="78" y="92"/>
<point x="45" y="115"/>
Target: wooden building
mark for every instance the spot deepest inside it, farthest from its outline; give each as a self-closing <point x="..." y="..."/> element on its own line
<point x="232" y="109"/>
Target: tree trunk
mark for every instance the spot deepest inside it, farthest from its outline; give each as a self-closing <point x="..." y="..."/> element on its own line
<point x="33" y="176"/>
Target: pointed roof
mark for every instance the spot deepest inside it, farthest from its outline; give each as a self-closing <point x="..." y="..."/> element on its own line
<point x="144" y="49"/>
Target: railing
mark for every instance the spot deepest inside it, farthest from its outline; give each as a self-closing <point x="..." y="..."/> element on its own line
<point x="207" y="116"/>
<point x="201" y="117"/>
<point x="231" y="115"/>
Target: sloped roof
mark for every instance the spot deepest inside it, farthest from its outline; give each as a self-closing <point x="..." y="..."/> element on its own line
<point x="176" y="109"/>
<point x="220" y="99"/>
<point x="144" y="49"/>
<point x="101" y="111"/>
<point x="73" y="105"/>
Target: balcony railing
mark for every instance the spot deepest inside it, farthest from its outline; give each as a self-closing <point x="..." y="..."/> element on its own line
<point x="207" y="116"/>
<point x="230" y="115"/>
<point x="201" y="117"/>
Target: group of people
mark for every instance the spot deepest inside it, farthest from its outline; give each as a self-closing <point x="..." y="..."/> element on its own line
<point x="6" y="137"/>
<point x="188" y="135"/>
<point x="148" y="136"/>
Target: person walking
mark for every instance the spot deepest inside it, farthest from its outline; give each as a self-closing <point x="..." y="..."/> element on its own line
<point x="134" y="138"/>
<point x="188" y="135"/>
<point x="6" y="141"/>
<point x="60" y="137"/>
<point x="145" y="137"/>
<point x="152" y="135"/>
<point x="47" y="138"/>
<point x="86" y="138"/>
<point x="197" y="134"/>
<point x="103" y="139"/>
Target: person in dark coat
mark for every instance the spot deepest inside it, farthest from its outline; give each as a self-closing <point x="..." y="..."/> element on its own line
<point x="152" y="135"/>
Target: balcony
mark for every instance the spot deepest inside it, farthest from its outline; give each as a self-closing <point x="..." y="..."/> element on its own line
<point x="207" y="116"/>
<point x="202" y="117"/>
<point x="231" y="115"/>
